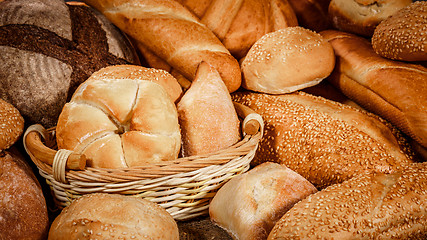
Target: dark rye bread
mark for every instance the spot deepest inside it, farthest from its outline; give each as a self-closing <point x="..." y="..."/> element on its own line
<point x="47" y="48"/>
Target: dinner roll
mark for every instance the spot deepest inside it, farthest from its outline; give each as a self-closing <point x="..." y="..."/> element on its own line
<point x="113" y="216"/>
<point x="11" y="125"/>
<point x="287" y="60"/>
<point x="120" y="117"/>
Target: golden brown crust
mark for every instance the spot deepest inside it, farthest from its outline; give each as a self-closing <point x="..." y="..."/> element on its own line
<point x="11" y="125"/>
<point x="402" y="35"/>
<point x="324" y="141"/>
<point x="368" y="206"/>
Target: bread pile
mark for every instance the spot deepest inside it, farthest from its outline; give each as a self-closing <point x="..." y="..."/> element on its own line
<point x="342" y="98"/>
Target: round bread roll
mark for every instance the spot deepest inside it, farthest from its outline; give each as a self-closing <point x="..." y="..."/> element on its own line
<point x="113" y="216"/>
<point x="23" y="210"/>
<point x="249" y="205"/>
<point x="362" y="16"/>
<point x="287" y="60"/>
<point x="402" y="35"/>
<point x="120" y="117"/>
<point x="11" y="125"/>
<point x="47" y="48"/>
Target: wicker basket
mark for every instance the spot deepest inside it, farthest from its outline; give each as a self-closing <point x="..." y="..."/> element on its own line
<point x="184" y="187"/>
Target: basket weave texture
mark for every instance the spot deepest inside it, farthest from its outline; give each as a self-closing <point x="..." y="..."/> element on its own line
<point x="184" y="187"/>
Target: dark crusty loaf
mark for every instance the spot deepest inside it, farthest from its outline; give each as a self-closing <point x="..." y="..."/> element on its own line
<point x="47" y="48"/>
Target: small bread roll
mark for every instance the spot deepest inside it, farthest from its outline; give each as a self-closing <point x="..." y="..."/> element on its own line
<point x="402" y="35"/>
<point x="113" y="216"/>
<point x="249" y="205"/>
<point x="120" y="117"/>
<point x="11" y="124"/>
<point x="206" y="114"/>
<point x="287" y="60"/>
<point x="368" y="206"/>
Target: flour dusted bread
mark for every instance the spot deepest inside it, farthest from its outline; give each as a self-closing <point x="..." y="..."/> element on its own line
<point x="121" y="117"/>
<point x="324" y="141"/>
<point x="113" y="216"/>
<point x="249" y="205"/>
<point x="206" y="113"/>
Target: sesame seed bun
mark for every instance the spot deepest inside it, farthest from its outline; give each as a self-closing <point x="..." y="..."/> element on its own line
<point x="402" y="36"/>
<point x="368" y="206"/>
<point x="287" y="60"/>
<point x="11" y="125"/>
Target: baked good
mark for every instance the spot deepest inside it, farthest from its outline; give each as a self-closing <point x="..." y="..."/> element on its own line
<point x="401" y="36"/>
<point x="239" y="24"/>
<point x="312" y="14"/>
<point x="206" y="114"/>
<point x="121" y="118"/>
<point x="11" y="125"/>
<point x="113" y="216"/>
<point x="324" y="141"/>
<point x="249" y="205"/>
<point x="287" y="60"/>
<point x="394" y="90"/>
<point x="174" y="34"/>
<point x="360" y="16"/>
<point x="48" y="48"/>
<point x="368" y="206"/>
<point x="23" y="210"/>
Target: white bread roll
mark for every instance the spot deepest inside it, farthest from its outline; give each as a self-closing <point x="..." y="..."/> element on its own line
<point x="120" y="117"/>
<point x="287" y="60"/>
<point x="113" y="216"/>
<point x="249" y="205"/>
<point x="206" y="114"/>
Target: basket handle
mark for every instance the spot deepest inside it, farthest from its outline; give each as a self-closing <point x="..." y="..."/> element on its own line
<point x="35" y="147"/>
<point x="253" y="122"/>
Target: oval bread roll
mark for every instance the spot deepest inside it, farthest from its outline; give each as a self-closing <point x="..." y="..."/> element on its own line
<point x="121" y="119"/>
<point x="11" y="125"/>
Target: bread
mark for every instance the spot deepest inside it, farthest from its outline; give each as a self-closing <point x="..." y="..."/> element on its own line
<point x="11" y="125"/>
<point x="23" y="210"/>
<point x="121" y="117"/>
<point x="368" y="206"/>
<point x="249" y="205"/>
<point x="324" y="141"/>
<point x="206" y="114"/>
<point x="360" y="16"/>
<point x="287" y="60"/>
<point x="312" y="14"/>
<point x="113" y="216"/>
<point x="394" y="90"/>
<point x="239" y="24"/>
<point x="401" y="36"/>
<point x="173" y="34"/>
<point x="48" y="48"/>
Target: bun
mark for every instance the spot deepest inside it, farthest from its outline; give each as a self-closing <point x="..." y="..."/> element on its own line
<point x="401" y="36"/>
<point x="312" y="14"/>
<point x="47" y="52"/>
<point x="368" y="206"/>
<point x="287" y="60"/>
<point x="173" y="34"/>
<point x="206" y="114"/>
<point x="120" y="121"/>
<point x="324" y="141"/>
<point x="362" y="17"/>
<point x="23" y="211"/>
<point x="249" y="205"/>
<point x="11" y="125"/>
<point x="394" y="90"/>
<point x="113" y="216"/>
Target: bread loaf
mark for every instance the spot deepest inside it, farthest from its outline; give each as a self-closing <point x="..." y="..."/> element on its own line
<point x="11" y="125"/>
<point x="23" y="210"/>
<point x="287" y="60"/>
<point x="173" y="34"/>
<point x="401" y="36"/>
<point x="48" y="48"/>
<point x="113" y="216"/>
<point x="324" y="141"/>
<point x="120" y="117"/>
<point x="368" y="206"/>
<point x="394" y="90"/>
<point x="249" y="205"/>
